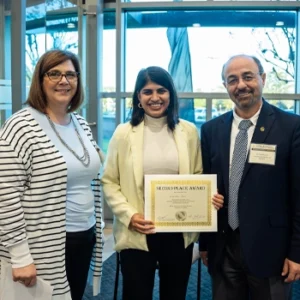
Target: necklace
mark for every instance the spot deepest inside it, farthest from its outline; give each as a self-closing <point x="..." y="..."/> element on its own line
<point x="85" y="158"/>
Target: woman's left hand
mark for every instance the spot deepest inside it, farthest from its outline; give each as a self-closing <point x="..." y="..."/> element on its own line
<point x="218" y="201"/>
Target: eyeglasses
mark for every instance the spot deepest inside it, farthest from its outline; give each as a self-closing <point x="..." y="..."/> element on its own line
<point x="57" y="76"/>
<point x="249" y="77"/>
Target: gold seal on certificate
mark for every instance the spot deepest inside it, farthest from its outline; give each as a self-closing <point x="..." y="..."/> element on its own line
<point x="181" y="203"/>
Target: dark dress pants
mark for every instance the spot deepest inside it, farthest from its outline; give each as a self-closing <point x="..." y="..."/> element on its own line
<point x="234" y="282"/>
<point x="167" y="251"/>
<point x="79" y="250"/>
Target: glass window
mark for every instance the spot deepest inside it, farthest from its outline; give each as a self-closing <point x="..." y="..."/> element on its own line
<point x="206" y="0"/>
<point x="59" y="4"/>
<point x="108" y="120"/>
<point x="286" y="105"/>
<point x="5" y="100"/>
<point x="61" y="33"/>
<point x="139" y="56"/>
<point x="109" y="117"/>
<point x="109" y="53"/>
<point x="5" y="67"/>
<point x="128" y="109"/>
<point x="221" y="106"/>
<point x="201" y="114"/>
<point x="49" y="26"/>
<point x="35" y="37"/>
<point x="188" y="43"/>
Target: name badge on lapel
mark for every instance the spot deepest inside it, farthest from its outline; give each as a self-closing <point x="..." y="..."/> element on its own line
<point x="262" y="154"/>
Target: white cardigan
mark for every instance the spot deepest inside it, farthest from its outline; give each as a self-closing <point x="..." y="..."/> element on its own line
<point x="123" y="180"/>
<point x="33" y="177"/>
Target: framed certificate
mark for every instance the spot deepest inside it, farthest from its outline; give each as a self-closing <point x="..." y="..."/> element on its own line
<point x="181" y="203"/>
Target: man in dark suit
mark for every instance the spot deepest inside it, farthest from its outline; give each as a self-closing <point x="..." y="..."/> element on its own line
<point x="256" y="251"/>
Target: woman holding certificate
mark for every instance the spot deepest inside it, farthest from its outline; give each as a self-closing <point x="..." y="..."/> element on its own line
<point x="155" y="141"/>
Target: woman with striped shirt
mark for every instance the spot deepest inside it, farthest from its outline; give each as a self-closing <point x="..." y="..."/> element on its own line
<point x="50" y="210"/>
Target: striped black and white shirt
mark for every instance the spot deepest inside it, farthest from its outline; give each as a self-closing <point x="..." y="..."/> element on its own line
<point x="33" y="178"/>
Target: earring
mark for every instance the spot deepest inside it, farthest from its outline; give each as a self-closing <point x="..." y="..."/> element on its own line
<point x="140" y="105"/>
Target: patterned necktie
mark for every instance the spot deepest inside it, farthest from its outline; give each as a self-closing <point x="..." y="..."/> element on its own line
<point x="237" y="167"/>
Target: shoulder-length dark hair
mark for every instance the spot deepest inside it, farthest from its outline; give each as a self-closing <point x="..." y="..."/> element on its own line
<point x="50" y="59"/>
<point x="159" y="76"/>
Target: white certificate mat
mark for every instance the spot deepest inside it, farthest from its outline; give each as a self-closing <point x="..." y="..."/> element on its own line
<point x="181" y="203"/>
<point x="10" y="290"/>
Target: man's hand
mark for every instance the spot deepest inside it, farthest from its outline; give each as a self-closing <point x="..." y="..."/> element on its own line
<point x="291" y="270"/>
<point x="204" y="257"/>
<point x="218" y="201"/>
<point x="139" y="224"/>
<point x="25" y="275"/>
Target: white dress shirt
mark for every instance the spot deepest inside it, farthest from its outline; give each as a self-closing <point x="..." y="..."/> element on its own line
<point x="235" y="130"/>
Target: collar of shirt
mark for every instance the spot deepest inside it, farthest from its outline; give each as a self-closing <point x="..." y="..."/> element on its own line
<point x="234" y="130"/>
<point x="253" y="119"/>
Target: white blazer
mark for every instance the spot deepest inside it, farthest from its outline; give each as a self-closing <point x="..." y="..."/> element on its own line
<point x="123" y="178"/>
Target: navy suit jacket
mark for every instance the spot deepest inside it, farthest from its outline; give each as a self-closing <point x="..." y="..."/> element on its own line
<point x="269" y="196"/>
